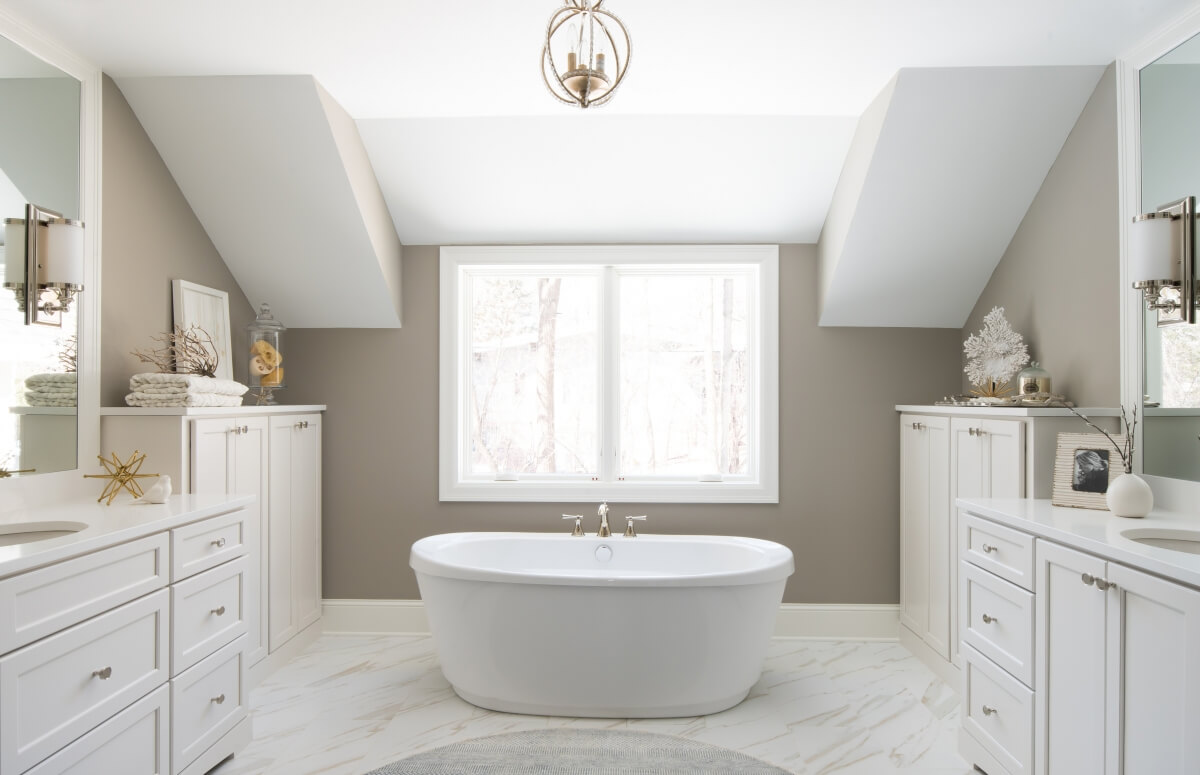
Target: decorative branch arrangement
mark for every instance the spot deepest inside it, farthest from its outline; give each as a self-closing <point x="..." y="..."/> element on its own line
<point x="68" y="357"/>
<point x="994" y="355"/>
<point x="183" y="351"/>
<point x="1124" y="450"/>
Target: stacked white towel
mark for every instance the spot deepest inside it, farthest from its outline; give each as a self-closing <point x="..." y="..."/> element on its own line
<point x="183" y="390"/>
<point x="59" y="389"/>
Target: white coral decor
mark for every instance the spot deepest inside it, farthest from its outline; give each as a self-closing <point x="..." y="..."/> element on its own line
<point x="995" y="354"/>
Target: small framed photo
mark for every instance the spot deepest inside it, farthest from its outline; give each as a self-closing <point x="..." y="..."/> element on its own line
<point x="1083" y="467"/>
<point x="206" y="308"/>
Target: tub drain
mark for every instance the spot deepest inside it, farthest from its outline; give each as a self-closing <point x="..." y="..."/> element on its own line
<point x="603" y="553"/>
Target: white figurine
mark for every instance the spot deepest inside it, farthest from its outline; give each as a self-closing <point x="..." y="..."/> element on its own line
<point x="157" y="492"/>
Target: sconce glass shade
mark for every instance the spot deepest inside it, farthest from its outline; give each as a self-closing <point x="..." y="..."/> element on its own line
<point x="1154" y="248"/>
<point x="14" y="252"/>
<point x="61" y="259"/>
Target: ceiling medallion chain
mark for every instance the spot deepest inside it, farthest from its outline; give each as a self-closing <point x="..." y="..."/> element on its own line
<point x="586" y="53"/>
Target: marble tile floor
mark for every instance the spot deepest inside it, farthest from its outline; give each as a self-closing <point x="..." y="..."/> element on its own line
<point x="352" y="703"/>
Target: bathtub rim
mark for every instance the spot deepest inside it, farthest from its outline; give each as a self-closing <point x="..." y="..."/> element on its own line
<point x="777" y="562"/>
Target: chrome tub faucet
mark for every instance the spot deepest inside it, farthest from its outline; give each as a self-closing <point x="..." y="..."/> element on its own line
<point x="602" y="512"/>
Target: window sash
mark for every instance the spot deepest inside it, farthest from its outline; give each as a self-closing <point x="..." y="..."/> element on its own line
<point x="758" y="263"/>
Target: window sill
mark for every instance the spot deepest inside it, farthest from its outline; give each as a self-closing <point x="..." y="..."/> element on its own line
<point x="613" y="492"/>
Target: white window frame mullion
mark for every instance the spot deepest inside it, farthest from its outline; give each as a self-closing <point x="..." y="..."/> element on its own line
<point x="610" y="365"/>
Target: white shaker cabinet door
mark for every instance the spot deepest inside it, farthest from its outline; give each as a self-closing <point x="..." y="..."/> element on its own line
<point x="1153" y="675"/>
<point x="294" y="577"/>
<point x="925" y="526"/>
<point x="1070" y="664"/>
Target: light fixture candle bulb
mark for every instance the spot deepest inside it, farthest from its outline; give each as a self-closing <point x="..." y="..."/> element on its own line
<point x="573" y="46"/>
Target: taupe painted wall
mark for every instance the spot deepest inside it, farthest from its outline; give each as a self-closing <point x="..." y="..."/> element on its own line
<point x="1059" y="279"/>
<point x="839" y="493"/>
<point x="150" y="237"/>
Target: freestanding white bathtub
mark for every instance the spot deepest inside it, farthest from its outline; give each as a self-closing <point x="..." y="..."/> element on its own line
<point x="559" y="625"/>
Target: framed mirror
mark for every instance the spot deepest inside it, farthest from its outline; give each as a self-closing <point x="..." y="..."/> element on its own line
<point x="39" y="165"/>
<point x="49" y="129"/>
<point x="1169" y="160"/>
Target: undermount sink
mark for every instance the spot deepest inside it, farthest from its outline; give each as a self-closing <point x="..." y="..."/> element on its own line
<point x="28" y="532"/>
<point x="1175" y="539"/>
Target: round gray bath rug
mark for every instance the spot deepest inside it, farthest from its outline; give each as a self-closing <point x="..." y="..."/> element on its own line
<point x="579" y="752"/>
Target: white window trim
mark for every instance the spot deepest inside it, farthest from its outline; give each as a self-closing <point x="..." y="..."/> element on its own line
<point x="764" y="488"/>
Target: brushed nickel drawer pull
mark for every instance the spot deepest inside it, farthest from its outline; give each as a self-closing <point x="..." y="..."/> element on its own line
<point x="1088" y="579"/>
<point x="220" y="698"/>
<point x="218" y="611"/>
<point x="1103" y="585"/>
<point x="103" y="675"/>
<point x="302" y="424"/>
<point x="988" y="619"/>
<point x="988" y="548"/>
<point x="219" y="543"/>
<point x="989" y="710"/>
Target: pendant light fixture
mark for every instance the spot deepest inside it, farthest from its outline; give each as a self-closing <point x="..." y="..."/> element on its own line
<point x="586" y="53"/>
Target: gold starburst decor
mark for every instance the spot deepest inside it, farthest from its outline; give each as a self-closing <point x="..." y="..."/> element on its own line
<point x="121" y="476"/>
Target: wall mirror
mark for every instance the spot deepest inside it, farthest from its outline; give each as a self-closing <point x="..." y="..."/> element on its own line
<point x="40" y="164"/>
<point x="1169" y="102"/>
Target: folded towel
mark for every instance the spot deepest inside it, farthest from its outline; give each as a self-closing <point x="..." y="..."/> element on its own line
<point x="53" y="390"/>
<point x="57" y="378"/>
<point x="190" y="399"/>
<point x="185" y="384"/>
<point x="34" y="399"/>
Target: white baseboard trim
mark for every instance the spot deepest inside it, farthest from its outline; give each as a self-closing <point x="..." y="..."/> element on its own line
<point x="813" y="622"/>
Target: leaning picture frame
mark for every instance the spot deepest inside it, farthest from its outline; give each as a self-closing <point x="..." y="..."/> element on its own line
<point x="207" y="309"/>
<point x="1084" y="466"/>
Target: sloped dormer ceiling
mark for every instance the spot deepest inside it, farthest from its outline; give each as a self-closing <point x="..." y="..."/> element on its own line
<point x="276" y="172"/>
<point x="942" y="168"/>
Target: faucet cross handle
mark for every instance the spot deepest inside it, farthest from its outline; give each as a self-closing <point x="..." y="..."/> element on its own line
<point x="578" y="531"/>
<point x="629" y="531"/>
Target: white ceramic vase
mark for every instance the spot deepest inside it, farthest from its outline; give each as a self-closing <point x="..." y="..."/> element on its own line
<point x="1129" y="496"/>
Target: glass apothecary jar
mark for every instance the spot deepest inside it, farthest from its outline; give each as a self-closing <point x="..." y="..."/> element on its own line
<point x="1033" y="379"/>
<point x="266" y="356"/>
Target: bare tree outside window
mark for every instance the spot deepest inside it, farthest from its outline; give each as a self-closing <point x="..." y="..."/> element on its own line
<point x="533" y="374"/>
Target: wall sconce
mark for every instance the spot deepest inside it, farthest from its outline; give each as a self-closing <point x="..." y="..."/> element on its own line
<point x="1162" y="260"/>
<point x="43" y="264"/>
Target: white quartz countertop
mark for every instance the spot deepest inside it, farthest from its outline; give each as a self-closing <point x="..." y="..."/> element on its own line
<point x="1097" y="532"/>
<point x="1007" y="411"/>
<point x="106" y="525"/>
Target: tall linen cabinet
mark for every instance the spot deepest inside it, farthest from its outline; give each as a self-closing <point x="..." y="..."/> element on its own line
<point x="946" y="453"/>
<point x="273" y="453"/>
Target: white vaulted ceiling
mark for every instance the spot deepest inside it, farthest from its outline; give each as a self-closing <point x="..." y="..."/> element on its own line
<point x="733" y="125"/>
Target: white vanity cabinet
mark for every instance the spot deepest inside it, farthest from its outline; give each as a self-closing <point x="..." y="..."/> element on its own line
<point x="98" y="645"/>
<point x="273" y="453"/>
<point x="948" y="453"/>
<point x="1074" y="661"/>
<point x="1118" y="668"/>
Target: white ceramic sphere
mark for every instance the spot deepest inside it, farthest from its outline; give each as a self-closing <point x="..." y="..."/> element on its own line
<point x="1129" y="496"/>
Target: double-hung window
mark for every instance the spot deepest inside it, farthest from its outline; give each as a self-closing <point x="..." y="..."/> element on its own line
<point x="628" y="373"/>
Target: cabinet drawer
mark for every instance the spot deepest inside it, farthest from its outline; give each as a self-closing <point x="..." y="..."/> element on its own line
<point x="58" y="688"/>
<point x="207" y="700"/>
<point x="1005" y="552"/>
<point x="134" y="742"/>
<point x="207" y="544"/>
<point x="40" y="602"/>
<point x="207" y="611"/>
<point x="997" y="712"/>
<point x="996" y="617"/>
